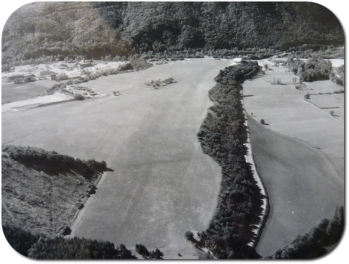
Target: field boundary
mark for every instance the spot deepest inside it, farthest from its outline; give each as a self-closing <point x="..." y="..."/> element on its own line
<point x="265" y="213"/>
<point x="78" y="211"/>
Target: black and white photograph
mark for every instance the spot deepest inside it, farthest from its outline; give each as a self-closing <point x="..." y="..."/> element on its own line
<point x="173" y="130"/>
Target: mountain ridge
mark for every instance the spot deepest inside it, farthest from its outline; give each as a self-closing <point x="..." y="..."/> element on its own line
<point x="123" y="28"/>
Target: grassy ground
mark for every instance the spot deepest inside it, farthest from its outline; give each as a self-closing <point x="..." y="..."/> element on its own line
<point x="302" y="184"/>
<point x="322" y="87"/>
<point x="13" y="92"/>
<point x="162" y="184"/>
<point x="286" y="111"/>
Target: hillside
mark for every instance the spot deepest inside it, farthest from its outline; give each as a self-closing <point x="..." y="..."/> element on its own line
<point x="42" y="190"/>
<point x="118" y="28"/>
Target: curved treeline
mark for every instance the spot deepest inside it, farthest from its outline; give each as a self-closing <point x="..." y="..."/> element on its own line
<point x="36" y="246"/>
<point x="222" y="136"/>
<point x="52" y="163"/>
<point x="316" y="243"/>
<point x="123" y="28"/>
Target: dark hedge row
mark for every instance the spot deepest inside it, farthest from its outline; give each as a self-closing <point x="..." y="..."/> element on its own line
<point x="222" y="136"/>
<point x="53" y="163"/>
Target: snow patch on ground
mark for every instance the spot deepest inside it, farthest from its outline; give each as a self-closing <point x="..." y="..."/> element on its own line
<point x="337" y="62"/>
<point x="71" y="69"/>
<point x="33" y="102"/>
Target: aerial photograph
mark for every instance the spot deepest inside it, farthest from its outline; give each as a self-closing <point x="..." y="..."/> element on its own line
<point x="173" y="130"/>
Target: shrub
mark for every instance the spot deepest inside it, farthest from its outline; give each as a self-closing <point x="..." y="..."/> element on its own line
<point x="189" y="235"/>
<point x="79" y="97"/>
<point x="62" y="76"/>
<point x="312" y="70"/>
<point x="125" y="67"/>
<point x="142" y="250"/>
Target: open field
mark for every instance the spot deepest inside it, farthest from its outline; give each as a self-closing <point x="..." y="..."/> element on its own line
<point x="13" y="92"/>
<point x="285" y="110"/>
<point x="323" y="87"/>
<point x="162" y="184"/>
<point x="306" y="154"/>
<point x="303" y="186"/>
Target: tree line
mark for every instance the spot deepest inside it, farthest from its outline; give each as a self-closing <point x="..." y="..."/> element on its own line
<point x="53" y="163"/>
<point x="38" y="246"/>
<point x="222" y="136"/>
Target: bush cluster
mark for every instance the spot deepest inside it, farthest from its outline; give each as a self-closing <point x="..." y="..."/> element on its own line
<point x="143" y="251"/>
<point x="222" y="136"/>
<point x="338" y="78"/>
<point x="312" y="70"/>
<point x="62" y="76"/>
<point x="79" y="97"/>
<point x="40" y="247"/>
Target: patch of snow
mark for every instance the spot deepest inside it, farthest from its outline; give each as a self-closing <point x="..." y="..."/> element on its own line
<point x="337" y="62"/>
<point x="33" y="102"/>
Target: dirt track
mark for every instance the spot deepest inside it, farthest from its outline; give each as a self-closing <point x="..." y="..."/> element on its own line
<point x="162" y="183"/>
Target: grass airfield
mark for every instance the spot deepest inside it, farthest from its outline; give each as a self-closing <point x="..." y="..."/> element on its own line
<point x="162" y="184"/>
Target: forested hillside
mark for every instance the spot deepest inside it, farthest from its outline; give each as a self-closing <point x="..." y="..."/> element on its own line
<point x="119" y="28"/>
<point x="43" y="190"/>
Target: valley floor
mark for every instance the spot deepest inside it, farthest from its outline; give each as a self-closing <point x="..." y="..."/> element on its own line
<point x="162" y="184"/>
<point x="299" y="153"/>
